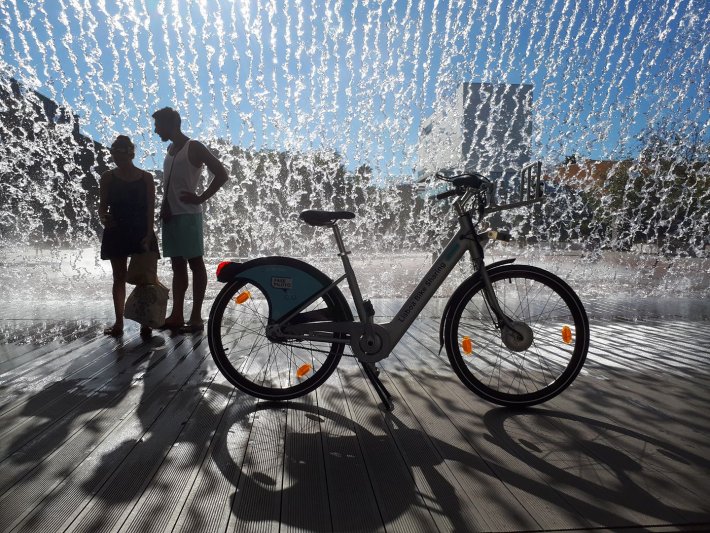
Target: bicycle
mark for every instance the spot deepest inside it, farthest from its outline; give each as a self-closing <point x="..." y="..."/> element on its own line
<point x="516" y="335"/>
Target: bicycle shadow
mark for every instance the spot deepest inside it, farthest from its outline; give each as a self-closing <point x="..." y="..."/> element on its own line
<point x="592" y="462"/>
<point x="260" y="493"/>
<point x="256" y="457"/>
<point x="590" y="499"/>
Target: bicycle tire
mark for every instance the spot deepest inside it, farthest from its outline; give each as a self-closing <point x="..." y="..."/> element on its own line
<point x="521" y="377"/>
<point x="240" y="326"/>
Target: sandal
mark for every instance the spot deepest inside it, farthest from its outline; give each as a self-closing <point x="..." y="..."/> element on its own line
<point x="114" y="331"/>
<point x="192" y="328"/>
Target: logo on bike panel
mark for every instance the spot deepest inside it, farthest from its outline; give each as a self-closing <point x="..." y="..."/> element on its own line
<point x="423" y="286"/>
<point x="282" y="283"/>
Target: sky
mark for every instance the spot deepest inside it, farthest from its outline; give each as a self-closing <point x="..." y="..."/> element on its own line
<point x="357" y="77"/>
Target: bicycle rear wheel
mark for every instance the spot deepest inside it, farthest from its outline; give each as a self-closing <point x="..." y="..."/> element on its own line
<point x="256" y="364"/>
<point x="498" y="367"/>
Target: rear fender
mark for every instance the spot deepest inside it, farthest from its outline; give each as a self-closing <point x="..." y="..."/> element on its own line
<point x="285" y="281"/>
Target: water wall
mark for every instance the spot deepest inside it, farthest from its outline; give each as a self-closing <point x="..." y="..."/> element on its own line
<point x="353" y="105"/>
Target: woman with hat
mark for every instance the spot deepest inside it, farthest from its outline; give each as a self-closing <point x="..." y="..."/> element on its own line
<point x="126" y="209"/>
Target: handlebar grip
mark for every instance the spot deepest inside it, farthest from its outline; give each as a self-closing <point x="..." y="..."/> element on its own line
<point x="446" y="194"/>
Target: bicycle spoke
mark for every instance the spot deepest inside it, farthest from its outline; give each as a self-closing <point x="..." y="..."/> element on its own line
<point x="264" y="366"/>
<point x="527" y="370"/>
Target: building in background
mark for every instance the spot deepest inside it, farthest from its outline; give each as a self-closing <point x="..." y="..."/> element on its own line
<point x="487" y="128"/>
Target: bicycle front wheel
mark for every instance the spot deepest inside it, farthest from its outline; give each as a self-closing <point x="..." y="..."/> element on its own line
<point x="258" y="365"/>
<point x="498" y="365"/>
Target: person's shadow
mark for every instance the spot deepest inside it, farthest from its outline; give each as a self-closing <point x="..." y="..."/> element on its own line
<point x="248" y="432"/>
<point x="67" y="414"/>
<point x="53" y="411"/>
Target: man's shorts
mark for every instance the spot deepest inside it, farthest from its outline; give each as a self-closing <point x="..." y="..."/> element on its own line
<point x="182" y="236"/>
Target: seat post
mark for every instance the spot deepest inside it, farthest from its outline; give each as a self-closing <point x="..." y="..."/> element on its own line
<point x="350" y="275"/>
<point x="339" y="240"/>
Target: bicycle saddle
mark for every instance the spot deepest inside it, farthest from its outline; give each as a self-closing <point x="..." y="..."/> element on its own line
<point x="325" y="218"/>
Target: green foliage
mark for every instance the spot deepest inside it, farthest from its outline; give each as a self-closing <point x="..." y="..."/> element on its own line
<point x="660" y="199"/>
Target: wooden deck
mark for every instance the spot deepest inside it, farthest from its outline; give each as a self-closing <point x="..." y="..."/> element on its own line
<point x="105" y="435"/>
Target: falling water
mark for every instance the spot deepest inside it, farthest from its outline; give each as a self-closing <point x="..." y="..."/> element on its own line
<point x="321" y="105"/>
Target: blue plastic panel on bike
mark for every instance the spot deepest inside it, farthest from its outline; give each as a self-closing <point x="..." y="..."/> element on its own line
<point x="286" y="287"/>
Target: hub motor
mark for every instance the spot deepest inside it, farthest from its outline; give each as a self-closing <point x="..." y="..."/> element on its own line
<point x="518" y="338"/>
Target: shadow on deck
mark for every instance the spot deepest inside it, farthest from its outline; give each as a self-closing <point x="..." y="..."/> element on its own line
<point x="106" y="435"/>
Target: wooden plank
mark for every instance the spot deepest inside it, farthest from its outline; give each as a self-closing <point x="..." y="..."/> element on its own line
<point x="89" y="467"/>
<point x="75" y="431"/>
<point x="58" y="400"/>
<point x="15" y="355"/>
<point x="27" y="341"/>
<point x="436" y="455"/>
<point x="661" y="458"/>
<point x="598" y="486"/>
<point x="402" y="505"/>
<point x="208" y="507"/>
<point x="352" y="502"/>
<point x="625" y="445"/>
<point x="603" y="504"/>
<point x="50" y="360"/>
<point x="61" y="361"/>
<point x="52" y="454"/>
<point x="538" y="503"/>
<point x="257" y="502"/>
<point x="118" y="492"/>
<point x="304" y="494"/>
<point x="55" y="402"/>
<point x="159" y="505"/>
<point x="644" y="343"/>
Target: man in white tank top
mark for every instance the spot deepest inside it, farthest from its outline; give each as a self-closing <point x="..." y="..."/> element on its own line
<point x="181" y="215"/>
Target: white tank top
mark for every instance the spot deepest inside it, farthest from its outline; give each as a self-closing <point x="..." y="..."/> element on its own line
<point x="180" y="175"/>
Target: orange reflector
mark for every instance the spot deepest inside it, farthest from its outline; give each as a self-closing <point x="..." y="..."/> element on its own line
<point x="567" y="334"/>
<point x="303" y="370"/>
<point x="467" y="345"/>
<point x="242" y="297"/>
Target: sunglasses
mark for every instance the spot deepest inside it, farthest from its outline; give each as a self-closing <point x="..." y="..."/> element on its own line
<point x="120" y="150"/>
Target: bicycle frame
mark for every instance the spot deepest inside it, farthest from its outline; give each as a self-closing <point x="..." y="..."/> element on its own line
<point x="465" y="240"/>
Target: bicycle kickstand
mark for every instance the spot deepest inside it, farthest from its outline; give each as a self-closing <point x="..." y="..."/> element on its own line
<point x="371" y="372"/>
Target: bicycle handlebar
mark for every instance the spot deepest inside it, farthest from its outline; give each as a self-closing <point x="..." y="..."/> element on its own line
<point x="462" y="182"/>
<point x="446" y="194"/>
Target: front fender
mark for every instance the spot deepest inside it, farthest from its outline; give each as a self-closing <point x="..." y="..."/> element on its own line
<point x="464" y="285"/>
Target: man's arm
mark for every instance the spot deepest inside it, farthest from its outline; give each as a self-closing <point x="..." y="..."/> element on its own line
<point x="202" y="156"/>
